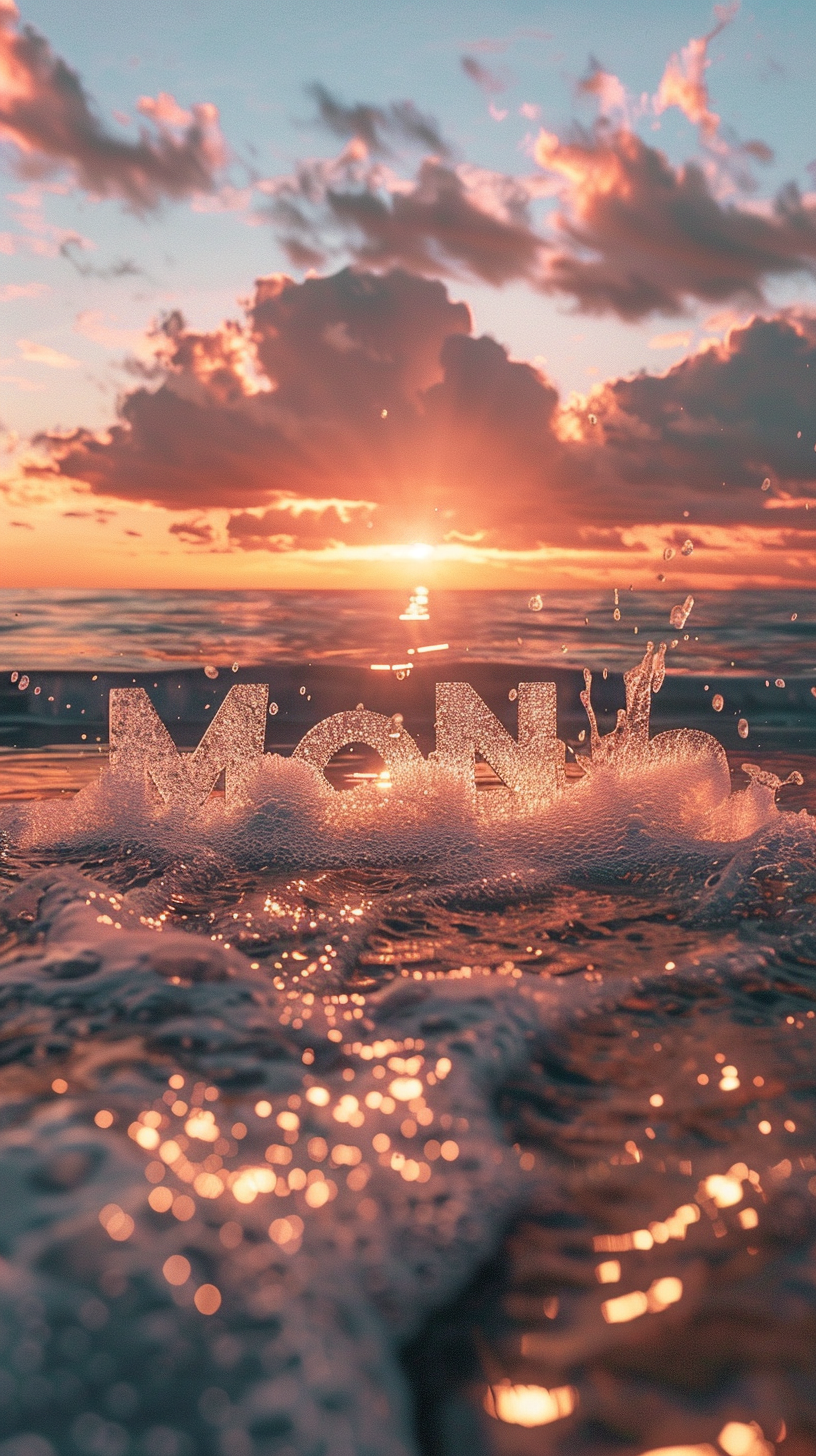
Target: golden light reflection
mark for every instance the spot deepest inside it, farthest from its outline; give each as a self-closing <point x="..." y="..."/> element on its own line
<point x="117" y="1224"/>
<point x="723" y="1189"/>
<point x="659" y="1296"/>
<point x="702" y="1450"/>
<point x="530" y="1405"/>
<point x="739" y="1439"/>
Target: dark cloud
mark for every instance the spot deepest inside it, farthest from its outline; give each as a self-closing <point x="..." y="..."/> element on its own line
<point x="72" y="250"/>
<point x="451" y="221"/>
<point x="705" y="434"/>
<point x="48" y="118"/>
<point x="378" y="126"/>
<point x="289" y="407"/>
<point x="639" y="236"/>
<point x="194" y="533"/>
<point x="491" y="82"/>
<point x="630" y="235"/>
<point x="360" y="409"/>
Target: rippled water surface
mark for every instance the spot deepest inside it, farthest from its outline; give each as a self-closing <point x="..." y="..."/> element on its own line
<point x="408" y="1119"/>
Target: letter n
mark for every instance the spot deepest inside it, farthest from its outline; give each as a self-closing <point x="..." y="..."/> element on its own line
<point x="234" y="742"/>
<point x="532" y="767"/>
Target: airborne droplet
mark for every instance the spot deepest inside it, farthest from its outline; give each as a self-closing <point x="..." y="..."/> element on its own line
<point x="680" y="614"/>
<point x="766" y="484"/>
<point x="742" y="728"/>
<point x="273" y="708"/>
<point x="668" y="553"/>
<point x="686" y="548"/>
<point x="535" y="603"/>
<point x="211" y="672"/>
<point x="718" y="702"/>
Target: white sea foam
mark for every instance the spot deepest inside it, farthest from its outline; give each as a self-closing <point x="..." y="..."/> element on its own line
<point x="438" y="1009"/>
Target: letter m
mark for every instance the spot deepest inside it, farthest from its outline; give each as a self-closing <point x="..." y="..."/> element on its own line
<point x="140" y="745"/>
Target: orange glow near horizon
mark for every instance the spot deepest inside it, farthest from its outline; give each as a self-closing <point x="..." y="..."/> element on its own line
<point x="63" y="538"/>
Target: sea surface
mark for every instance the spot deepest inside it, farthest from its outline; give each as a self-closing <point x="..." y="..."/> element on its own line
<point x="390" y="1110"/>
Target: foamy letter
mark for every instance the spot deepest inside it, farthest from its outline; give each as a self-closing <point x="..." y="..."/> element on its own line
<point x="386" y="736"/>
<point x="140" y="745"/>
<point x="533" y="767"/>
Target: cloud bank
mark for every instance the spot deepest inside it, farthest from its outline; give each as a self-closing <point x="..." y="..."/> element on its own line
<point x="361" y="409"/>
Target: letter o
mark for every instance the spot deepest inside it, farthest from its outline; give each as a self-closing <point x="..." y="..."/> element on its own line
<point x="396" y="748"/>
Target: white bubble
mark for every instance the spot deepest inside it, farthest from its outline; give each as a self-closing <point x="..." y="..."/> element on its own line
<point x="273" y="708"/>
<point x="535" y="603"/>
<point x="235" y="666"/>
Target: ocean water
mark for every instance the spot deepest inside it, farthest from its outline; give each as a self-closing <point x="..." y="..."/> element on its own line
<point x="369" y="1113"/>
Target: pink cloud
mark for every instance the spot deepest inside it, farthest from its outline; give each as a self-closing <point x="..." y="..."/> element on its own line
<point x="48" y="119"/>
<point x="10" y="292"/>
<point x="35" y="353"/>
<point x="683" y="83"/>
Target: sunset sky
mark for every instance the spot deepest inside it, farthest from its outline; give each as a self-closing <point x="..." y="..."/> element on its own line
<point x="313" y="295"/>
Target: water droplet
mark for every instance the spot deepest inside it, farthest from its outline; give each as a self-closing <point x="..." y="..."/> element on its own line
<point x="14" y="676"/>
<point x="303" y="692"/>
<point x="742" y="728"/>
<point x="718" y="702"/>
<point x="512" y="695"/>
<point x="535" y="603"/>
<point x="794" y="615"/>
<point x="211" y="672"/>
<point x="687" y="548"/>
<point x="593" y="419"/>
<point x="766" y="484"/>
<point x="668" y="553"/>
<point x="616" y="614"/>
<point x="23" y="683"/>
<point x="235" y="666"/>
<point x="779" y="682"/>
<point x="273" y="708"/>
<point x="680" y="614"/>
